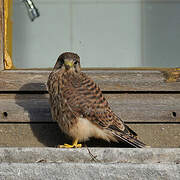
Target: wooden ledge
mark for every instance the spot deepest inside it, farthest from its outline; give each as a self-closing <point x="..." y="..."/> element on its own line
<point x="108" y="80"/>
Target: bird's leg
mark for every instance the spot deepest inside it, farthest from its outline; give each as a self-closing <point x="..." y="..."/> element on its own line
<point x="74" y="145"/>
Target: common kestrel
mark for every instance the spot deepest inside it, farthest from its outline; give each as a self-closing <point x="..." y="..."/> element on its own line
<point x="79" y="107"/>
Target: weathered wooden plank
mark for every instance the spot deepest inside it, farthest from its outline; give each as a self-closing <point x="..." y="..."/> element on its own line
<point x="109" y="80"/>
<point x="1" y="35"/>
<point x="130" y="107"/>
<point x="158" y="135"/>
<point x="33" y="135"/>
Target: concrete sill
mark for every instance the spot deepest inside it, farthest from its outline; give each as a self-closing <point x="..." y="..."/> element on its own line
<point x="92" y="163"/>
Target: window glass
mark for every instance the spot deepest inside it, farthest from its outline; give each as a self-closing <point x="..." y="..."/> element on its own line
<point x="118" y="33"/>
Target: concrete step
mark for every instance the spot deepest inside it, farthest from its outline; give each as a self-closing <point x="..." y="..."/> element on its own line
<point x="78" y="171"/>
<point x="89" y="163"/>
<point x="88" y="155"/>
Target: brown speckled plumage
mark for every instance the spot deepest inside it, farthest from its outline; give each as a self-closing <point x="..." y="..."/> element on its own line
<point x="79" y="107"/>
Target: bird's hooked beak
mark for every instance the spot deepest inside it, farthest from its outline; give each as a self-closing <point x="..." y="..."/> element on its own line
<point x="68" y="63"/>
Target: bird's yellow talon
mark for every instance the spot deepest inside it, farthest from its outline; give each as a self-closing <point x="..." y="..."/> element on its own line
<point x="65" y="146"/>
<point x="79" y="146"/>
<point x="70" y="146"/>
<point x="74" y="145"/>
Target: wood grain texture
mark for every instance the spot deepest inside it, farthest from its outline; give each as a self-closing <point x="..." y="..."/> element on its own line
<point x="130" y="107"/>
<point x="39" y="135"/>
<point x="109" y="80"/>
<point x="158" y="135"/>
<point x="1" y="35"/>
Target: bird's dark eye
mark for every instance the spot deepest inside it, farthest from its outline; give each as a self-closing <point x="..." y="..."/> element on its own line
<point x="76" y="62"/>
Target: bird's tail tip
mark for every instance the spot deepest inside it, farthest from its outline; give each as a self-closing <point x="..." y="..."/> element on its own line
<point x="133" y="141"/>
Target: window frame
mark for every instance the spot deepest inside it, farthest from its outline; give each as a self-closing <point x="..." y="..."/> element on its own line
<point x="1" y="35"/>
<point x="171" y="74"/>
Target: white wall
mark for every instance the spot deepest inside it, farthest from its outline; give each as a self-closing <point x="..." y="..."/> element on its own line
<point x="105" y="33"/>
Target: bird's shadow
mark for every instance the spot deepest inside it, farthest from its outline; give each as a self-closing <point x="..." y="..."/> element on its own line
<point x="47" y="132"/>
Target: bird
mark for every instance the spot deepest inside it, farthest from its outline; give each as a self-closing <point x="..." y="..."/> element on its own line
<point x="79" y="107"/>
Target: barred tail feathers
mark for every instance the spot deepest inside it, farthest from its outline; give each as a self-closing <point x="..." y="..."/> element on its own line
<point x="129" y="139"/>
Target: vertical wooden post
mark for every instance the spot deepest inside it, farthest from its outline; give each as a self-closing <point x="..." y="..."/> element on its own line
<point x="1" y="35"/>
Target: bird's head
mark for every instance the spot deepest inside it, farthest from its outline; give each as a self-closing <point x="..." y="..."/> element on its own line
<point x="68" y="61"/>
